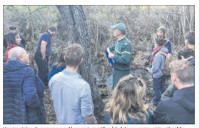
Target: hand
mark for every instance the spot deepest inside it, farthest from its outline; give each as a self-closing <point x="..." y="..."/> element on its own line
<point x="110" y="55"/>
<point x="148" y="69"/>
<point x="43" y="57"/>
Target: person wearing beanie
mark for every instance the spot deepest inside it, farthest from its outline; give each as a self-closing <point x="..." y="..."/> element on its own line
<point x="120" y="52"/>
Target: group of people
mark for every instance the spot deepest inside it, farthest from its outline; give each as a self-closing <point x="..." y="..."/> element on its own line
<point x="173" y="105"/>
<point x="24" y="91"/>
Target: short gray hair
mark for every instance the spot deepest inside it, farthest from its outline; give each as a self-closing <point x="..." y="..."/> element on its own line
<point x="15" y="53"/>
<point x="184" y="71"/>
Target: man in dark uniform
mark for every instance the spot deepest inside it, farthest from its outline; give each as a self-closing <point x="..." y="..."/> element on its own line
<point x="43" y="53"/>
<point x="120" y="52"/>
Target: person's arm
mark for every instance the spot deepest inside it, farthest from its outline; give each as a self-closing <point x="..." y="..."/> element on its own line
<point x="168" y="93"/>
<point x="87" y="105"/>
<point x="43" y="49"/>
<point x="125" y="56"/>
<point x="152" y="47"/>
<point x="169" y="47"/>
<point x="29" y="89"/>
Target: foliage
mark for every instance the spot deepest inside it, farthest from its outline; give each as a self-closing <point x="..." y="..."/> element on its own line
<point x="141" y="22"/>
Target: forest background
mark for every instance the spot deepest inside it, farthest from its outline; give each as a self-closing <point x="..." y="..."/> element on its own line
<point x="141" y="22"/>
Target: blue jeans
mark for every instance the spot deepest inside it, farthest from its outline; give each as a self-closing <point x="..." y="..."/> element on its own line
<point x="158" y="85"/>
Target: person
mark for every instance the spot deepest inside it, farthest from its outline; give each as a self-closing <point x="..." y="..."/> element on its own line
<point x="190" y="40"/>
<point x="13" y="40"/>
<point x="187" y="54"/>
<point x="126" y="105"/>
<point x="6" y="42"/>
<point x="71" y="94"/>
<point x="161" y="33"/>
<point x="22" y="91"/>
<point x="180" y="108"/>
<point x="158" y="64"/>
<point x="57" y="67"/>
<point x="120" y="52"/>
<point x="43" y="53"/>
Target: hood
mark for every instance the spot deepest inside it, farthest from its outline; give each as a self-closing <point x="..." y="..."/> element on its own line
<point x="13" y="65"/>
<point x="164" y="49"/>
<point x="186" y="98"/>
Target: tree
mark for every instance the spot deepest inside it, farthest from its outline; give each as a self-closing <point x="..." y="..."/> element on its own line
<point x="77" y="29"/>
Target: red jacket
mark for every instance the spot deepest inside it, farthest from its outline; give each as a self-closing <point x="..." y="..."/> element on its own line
<point x="8" y="49"/>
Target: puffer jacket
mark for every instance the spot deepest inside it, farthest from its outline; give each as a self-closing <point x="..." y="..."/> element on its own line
<point x="21" y="102"/>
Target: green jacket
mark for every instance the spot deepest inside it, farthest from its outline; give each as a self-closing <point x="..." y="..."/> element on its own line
<point x="122" y="54"/>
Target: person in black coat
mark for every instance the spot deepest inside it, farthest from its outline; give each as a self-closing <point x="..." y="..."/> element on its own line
<point x="23" y="91"/>
<point x="180" y="108"/>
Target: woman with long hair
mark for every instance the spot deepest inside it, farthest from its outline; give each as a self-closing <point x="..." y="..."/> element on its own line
<point x="161" y="34"/>
<point x="126" y="105"/>
<point x="13" y="41"/>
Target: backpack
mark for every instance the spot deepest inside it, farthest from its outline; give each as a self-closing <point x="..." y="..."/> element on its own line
<point x="168" y="60"/>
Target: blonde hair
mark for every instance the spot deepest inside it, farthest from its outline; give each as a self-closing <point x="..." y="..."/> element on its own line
<point x="127" y="96"/>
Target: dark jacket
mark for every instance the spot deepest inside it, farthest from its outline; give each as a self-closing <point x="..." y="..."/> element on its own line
<point x="21" y="95"/>
<point x="179" y="109"/>
<point x="122" y="54"/>
<point x="54" y="70"/>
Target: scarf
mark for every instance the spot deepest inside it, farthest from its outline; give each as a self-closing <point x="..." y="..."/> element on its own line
<point x="155" y="51"/>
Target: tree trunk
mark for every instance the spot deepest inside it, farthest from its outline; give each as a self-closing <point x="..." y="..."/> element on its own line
<point x="77" y="30"/>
